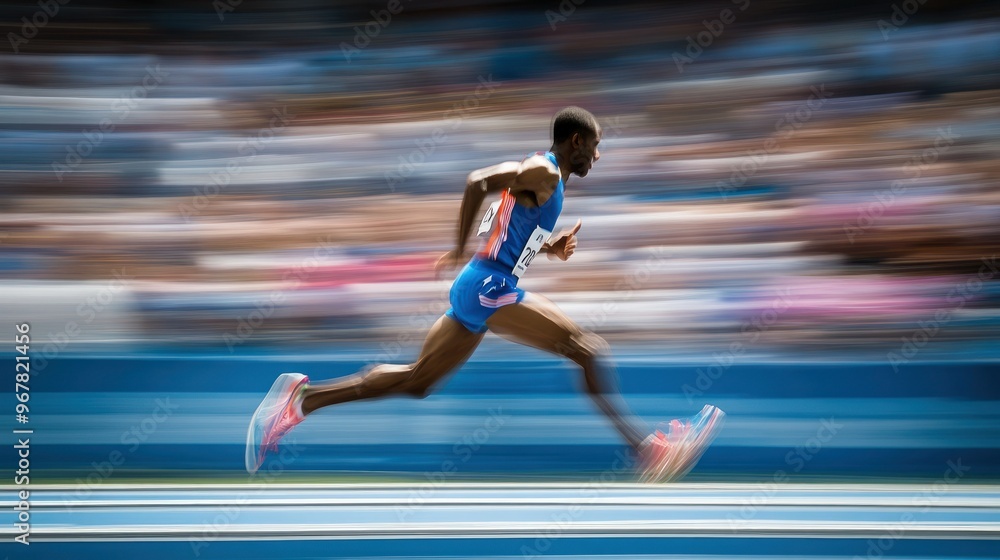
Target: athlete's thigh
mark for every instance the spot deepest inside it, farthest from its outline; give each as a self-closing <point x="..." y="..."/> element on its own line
<point x="448" y="344"/>
<point x="534" y="321"/>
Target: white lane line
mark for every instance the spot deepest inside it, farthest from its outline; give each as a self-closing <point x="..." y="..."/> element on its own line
<point x="624" y="529"/>
<point x="182" y="502"/>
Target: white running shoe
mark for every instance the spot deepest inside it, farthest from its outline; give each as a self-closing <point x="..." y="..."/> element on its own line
<point x="667" y="457"/>
<point x="277" y="414"/>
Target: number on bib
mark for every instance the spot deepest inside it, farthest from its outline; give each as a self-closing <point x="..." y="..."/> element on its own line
<point x="531" y="249"/>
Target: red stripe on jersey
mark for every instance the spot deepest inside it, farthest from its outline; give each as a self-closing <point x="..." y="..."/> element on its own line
<point x="500" y="230"/>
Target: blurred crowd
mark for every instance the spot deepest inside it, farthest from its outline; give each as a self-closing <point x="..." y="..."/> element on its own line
<point x="771" y="179"/>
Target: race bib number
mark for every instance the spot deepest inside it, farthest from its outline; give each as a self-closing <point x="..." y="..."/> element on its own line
<point x="531" y="249"/>
<point x="491" y="214"/>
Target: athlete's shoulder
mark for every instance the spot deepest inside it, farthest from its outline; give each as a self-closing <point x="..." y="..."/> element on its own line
<point x="547" y="155"/>
<point x="539" y="169"/>
<point x="542" y="159"/>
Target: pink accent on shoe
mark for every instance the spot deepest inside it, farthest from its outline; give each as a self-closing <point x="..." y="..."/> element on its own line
<point x="669" y="457"/>
<point x="274" y="418"/>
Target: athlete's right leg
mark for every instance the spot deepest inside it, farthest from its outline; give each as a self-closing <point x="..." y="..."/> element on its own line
<point x="449" y="343"/>
<point x="447" y="346"/>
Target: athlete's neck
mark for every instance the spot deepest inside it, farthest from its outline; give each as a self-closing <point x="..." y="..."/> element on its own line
<point x="562" y="160"/>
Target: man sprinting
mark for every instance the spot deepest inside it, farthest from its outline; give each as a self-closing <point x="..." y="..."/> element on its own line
<point x="485" y="297"/>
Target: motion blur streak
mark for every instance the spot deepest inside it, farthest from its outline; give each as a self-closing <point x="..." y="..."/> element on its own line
<point x="224" y="153"/>
<point x="794" y="216"/>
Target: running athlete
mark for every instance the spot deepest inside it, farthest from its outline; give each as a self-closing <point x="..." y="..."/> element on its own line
<point x="485" y="297"/>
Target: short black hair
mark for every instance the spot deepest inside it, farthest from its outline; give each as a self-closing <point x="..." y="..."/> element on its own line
<point x="571" y="120"/>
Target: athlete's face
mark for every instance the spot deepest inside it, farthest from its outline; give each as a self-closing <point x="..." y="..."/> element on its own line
<point x="585" y="152"/>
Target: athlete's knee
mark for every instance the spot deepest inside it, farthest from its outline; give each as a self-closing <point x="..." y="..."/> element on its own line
<point x="420" y="382"/>
<point x="384" y="377"/>
<point x="594" y="345"/>
<point x="584" y="347"/>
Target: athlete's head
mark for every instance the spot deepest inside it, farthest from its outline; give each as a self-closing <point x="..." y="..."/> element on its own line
<point x="576" y="133"/>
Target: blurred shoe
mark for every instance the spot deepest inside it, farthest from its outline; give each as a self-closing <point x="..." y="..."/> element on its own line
<point x="278" y="413"/>
<point x="668" y="456"/>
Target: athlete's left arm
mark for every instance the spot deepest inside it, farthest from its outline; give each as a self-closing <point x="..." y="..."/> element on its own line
<point x="563" y="245"/>
<point x="532" y="174"/>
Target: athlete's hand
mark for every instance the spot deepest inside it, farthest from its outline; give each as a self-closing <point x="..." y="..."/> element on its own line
<point x="448" y="261"/>
<point x="565" y="244"/>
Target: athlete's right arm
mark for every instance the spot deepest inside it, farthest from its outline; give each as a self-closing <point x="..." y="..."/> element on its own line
<point x="533" y="173"/>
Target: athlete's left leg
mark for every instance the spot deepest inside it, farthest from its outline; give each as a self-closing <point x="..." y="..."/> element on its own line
<point x="537" y="322"/>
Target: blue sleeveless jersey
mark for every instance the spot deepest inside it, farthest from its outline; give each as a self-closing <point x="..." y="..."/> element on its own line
<point x="517" y="233"/>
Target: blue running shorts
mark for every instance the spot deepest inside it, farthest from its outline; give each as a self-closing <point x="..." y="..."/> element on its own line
<point x="479" y="290"/>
